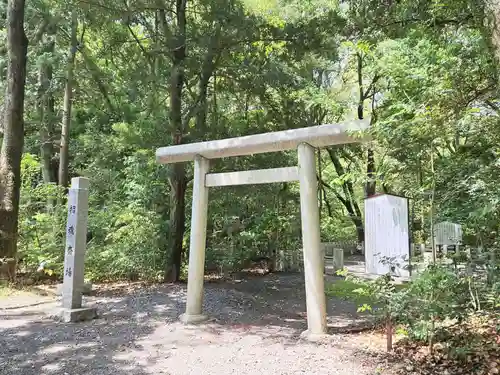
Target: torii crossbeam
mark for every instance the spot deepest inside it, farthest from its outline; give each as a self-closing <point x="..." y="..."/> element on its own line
<point x="305" y="140"/>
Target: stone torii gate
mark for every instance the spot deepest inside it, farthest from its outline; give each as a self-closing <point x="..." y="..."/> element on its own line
<point x="305" y="140"/>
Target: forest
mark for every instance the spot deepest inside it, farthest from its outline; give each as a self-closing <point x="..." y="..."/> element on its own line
<point x="94" y="87"/>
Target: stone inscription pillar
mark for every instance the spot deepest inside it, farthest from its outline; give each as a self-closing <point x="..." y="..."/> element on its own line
<point x="74" y="257"/>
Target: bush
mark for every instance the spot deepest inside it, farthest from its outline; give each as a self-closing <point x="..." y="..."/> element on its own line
<point x="124" y="244"/>
<point x="41" y="219"/>
<point x="435" y="297"/>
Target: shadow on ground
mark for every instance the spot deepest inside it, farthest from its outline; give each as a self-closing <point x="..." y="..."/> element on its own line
<point x="279" y="300"/>
<point x="42" y="346"/>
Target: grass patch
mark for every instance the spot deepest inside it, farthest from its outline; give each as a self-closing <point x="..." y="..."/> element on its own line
<point x="345" y="290"/>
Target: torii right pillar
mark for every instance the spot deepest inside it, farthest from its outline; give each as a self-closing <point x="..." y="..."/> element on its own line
<point x="311" y="241"/>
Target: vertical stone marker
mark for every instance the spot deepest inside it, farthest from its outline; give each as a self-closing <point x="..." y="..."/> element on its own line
<point x="74" y="257"/>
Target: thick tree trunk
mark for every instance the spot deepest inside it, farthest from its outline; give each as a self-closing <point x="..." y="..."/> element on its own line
<point x="360" y="229"/>
<point x="207" y="71"/>
<point x="67" y="106"/>
<point x="177" y="178"/>
<point x="178" y="172"/>
<point x="13" y="138"/>
<point x="45" y="104"/>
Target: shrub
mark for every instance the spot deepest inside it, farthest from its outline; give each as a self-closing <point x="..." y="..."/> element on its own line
<point x="124" y="244"/>
<point x="42" y="218"/>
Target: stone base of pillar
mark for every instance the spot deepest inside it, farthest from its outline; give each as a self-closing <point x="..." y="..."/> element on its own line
<point x="76" y="315"/>
<point x="314" y="337"/>
<point x="192" y="319"/>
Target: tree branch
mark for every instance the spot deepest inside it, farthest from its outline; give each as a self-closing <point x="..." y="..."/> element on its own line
<point x="94" y="71"/>
<point x="327" y="203"/>
<point x="366" y="95"/>
<point x="430" y="22"/>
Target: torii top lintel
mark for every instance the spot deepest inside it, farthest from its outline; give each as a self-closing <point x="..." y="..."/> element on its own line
<point x="316" y="136"/>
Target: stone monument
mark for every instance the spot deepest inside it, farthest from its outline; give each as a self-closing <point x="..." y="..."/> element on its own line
<point x="334" y="257"/>
<point x="74" y="257"/>
<point x="387" y="235"/>
<point x="446" y="235"/>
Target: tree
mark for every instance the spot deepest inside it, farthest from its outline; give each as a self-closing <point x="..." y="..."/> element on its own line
<point x="68" y="96"/>
<point x="13" y="131"/>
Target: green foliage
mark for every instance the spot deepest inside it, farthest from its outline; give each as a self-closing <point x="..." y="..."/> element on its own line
<point x="436" y="295"/>
<point x="351" y="291"/>
<point x="124" y="244"/>
<point x="425" y="69"/>
<point x="41" y="219"/>
<point x="425" y="306"/>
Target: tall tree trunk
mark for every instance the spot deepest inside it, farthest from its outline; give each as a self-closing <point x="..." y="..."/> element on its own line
<point x="67" y="106"/>
<point x="178" y="172"/>
<point x="45" y="109"/>
<point x="13" y="137"/>
<point x="177" y="222"/>
<point x="371" y="184"/>
<point x="207" y="71"/>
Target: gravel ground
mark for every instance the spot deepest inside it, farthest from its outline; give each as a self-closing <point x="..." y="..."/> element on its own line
<point x="255" y="328"/>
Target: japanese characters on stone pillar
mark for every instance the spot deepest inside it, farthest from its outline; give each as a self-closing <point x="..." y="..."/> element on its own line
<point x="74" y="257"/>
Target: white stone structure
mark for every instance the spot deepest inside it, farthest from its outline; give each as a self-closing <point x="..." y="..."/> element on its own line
<point x="304" y="140"/>
<point x="74" y="258"/>
<point x="387" y="236"/>
<point x="447" y="234"/>
<point x="334" y="257"/>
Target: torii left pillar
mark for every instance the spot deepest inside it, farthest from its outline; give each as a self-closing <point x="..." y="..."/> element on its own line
<point x="197" y="244"/>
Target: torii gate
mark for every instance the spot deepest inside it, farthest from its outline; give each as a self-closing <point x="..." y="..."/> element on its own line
<point x="305" y="140"/>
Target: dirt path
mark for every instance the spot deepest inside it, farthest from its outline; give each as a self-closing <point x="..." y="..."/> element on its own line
<point x="255" y="329"/>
